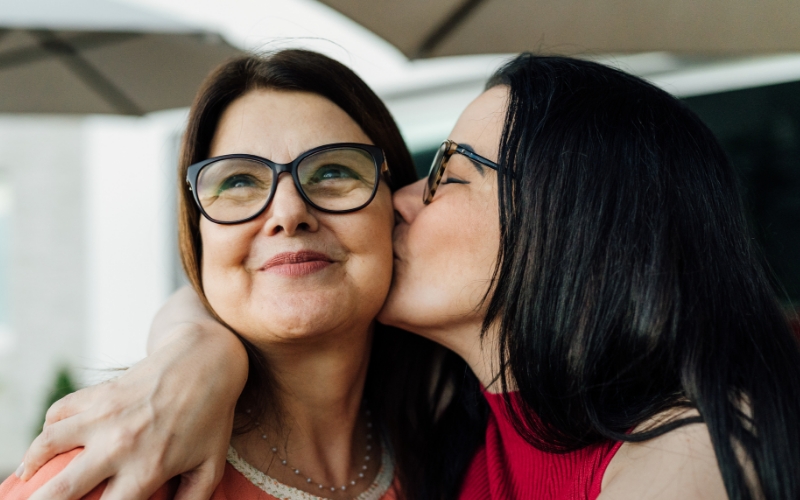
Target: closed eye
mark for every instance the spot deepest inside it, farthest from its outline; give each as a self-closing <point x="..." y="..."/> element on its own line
<point x="454" y="180"/>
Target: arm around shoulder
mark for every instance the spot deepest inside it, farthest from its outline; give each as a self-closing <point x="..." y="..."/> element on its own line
<point x="170" y="414"/>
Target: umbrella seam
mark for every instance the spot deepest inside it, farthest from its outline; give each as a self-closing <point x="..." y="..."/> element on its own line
<point x="446" y="27"/>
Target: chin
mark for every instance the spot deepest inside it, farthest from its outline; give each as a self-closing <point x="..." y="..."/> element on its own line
<point x="279" y="329"/>
<point x="424" y="311"/>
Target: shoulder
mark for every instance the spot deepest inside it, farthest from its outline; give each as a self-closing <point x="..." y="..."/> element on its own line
<point x="679" y="465"/>
<point x="15" y="489"/>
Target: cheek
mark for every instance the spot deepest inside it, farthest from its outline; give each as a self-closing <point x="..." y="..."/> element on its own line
<point x="456" y="250"/>
<point x="225" y="249"/>
<point x="447" y="257"/>
<point x="370" y="243"/>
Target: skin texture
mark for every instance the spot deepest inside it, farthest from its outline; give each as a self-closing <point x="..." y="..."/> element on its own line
<point x="444" y="257"/>
<point x="678" y="465"/>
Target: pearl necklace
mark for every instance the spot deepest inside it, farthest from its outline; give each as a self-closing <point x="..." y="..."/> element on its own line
<point x="321" y="486"/>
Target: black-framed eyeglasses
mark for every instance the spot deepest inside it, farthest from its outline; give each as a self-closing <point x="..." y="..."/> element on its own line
<point x="335" y="178"/>
<point x="446" y="150"/>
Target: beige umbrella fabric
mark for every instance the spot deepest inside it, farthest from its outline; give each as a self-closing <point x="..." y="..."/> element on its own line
<point x="94" y="56"/>
<point x="430" y="28"/>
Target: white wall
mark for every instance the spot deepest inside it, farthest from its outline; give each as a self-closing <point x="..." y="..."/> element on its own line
<point x="129" y="218"/>
<point x="40" y="159"/>
<point x="92" y="257"/>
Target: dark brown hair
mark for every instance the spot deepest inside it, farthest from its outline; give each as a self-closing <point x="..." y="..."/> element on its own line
<point x="398" y="386"/>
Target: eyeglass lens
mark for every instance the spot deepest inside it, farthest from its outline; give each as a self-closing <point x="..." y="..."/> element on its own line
<point x="235" y="189"/>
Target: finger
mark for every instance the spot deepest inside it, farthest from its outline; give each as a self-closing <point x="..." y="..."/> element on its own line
<point x="69" y="405"/>
<point x="200" y="483"/>
<point x="55" y="439"/>
<point x="78" y="478"/>
<point x="126" y="487"/>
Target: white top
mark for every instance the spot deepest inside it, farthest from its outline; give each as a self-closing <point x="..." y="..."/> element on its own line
<point x="378" y="488"/>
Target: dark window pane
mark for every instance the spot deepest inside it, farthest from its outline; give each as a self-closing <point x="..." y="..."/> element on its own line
<point x="760" y="130"/>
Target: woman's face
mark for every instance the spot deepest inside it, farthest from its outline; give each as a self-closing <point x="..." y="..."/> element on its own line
<point x="445" y="252"/>
<point x="248" y="269"/>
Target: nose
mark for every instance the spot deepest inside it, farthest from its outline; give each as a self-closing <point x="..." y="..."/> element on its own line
<point x="408" y="201"/>
<point x="288" y="211"/>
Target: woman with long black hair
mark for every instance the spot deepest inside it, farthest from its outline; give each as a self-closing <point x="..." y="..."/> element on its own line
<point x="581" y="245"/>
<point x="648" y="295"/>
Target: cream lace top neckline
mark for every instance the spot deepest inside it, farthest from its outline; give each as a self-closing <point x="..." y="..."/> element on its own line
<point x="378" y="488"/>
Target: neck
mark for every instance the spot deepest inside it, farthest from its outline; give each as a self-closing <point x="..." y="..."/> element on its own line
<point x="317" y="425"/>
<point x="481" y="352"/>
<point x="321" y="380"/>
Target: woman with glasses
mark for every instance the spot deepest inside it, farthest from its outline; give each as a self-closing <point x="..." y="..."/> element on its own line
<point x="580" y="243"/>
<point x="285" y="223"/>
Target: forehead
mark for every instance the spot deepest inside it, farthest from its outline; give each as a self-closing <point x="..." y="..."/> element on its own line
<point x="280" y="125"/>
<point x="481" y="123"/>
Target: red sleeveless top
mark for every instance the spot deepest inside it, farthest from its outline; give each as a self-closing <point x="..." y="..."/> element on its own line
<point x="507" y="467"/>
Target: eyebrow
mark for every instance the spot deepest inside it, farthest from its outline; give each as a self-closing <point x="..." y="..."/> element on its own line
<point x="475" y="164"/>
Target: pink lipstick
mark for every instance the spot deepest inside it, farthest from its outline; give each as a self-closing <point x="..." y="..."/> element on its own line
<point x="300" y="263"/>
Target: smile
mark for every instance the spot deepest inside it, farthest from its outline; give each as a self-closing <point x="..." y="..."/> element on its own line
<point x="300" y="263"/>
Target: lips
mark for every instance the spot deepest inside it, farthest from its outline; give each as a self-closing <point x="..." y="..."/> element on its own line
<point x="297" y="263"/>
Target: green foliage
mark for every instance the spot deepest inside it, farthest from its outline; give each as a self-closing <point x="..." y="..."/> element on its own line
<point x="63" y="385"/>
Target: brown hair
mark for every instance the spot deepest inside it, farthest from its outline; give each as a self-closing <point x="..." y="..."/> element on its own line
<point x="402" y="365"/>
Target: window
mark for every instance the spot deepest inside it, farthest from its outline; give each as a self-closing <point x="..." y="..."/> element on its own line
<point x="760" y="130"/>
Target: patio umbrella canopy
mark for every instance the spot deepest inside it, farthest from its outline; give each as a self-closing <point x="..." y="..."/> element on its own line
<point x="424" y="28"/>
<point x="93" y="56"/>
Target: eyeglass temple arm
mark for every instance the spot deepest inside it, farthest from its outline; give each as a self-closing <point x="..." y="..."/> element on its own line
<point x="476" y="157"/>
<point x="385" y="172"/>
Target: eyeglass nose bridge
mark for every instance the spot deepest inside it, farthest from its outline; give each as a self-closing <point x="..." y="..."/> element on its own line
<point x="285" y="168"/>
<point x="280" y="168"/>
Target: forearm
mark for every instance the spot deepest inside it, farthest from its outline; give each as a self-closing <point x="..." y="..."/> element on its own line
<point x="185" y="320"/>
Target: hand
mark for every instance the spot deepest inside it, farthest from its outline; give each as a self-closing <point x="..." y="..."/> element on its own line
<point x="170" y="414"/>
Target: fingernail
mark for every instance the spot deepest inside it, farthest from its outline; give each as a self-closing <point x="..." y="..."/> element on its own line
<point x="20" y="470"/>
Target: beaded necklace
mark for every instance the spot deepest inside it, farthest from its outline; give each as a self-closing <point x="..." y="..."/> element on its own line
<point x="321" y="486"/>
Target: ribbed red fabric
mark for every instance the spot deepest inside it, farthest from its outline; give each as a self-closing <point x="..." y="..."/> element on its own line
<point x="508" y="468"/>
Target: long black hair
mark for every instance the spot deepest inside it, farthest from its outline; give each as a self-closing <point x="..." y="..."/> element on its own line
<point x="627" y="283"/>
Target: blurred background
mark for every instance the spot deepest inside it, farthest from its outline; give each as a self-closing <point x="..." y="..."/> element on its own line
<point x="94" y="96"/>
